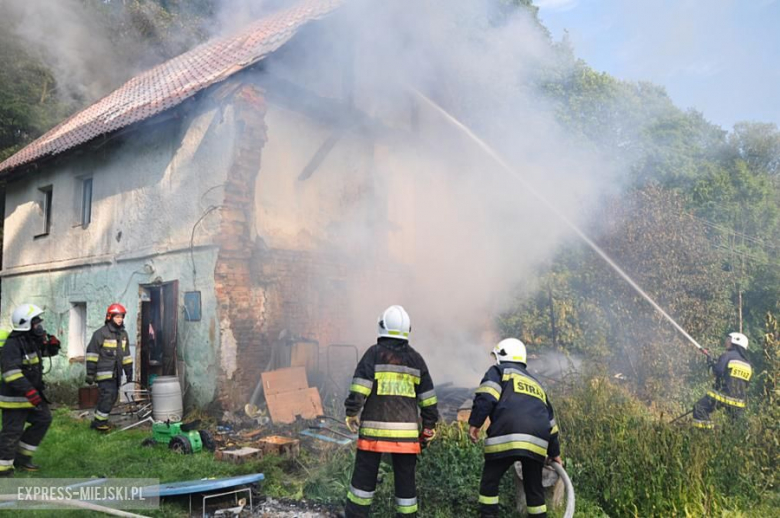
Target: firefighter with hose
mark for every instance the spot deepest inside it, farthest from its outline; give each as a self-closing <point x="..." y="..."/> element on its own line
<point x="390" y="386"/>
<point x="522" y="427"/>
<point x="732" y="375"/>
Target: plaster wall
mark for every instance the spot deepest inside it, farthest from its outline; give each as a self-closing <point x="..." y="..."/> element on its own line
<point x="150" y="191"/>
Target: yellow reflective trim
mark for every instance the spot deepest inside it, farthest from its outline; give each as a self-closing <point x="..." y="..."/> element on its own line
<point x="398" y="434"/>
<point x="357" y="500"/>
<point x="526" y="385"/>
<point x="537" y="509"/>
<point x="102" y="377"/>
<point x="554" y="430"/>
<point x="397" y="375"/>
<point x="13" y="377"/>
<point x="406" y="509"/>
<point x="396" y="384"/>
<point x="32" y="361"/>
<point x="22" y="451"/>
<point x="516" y="445"/>
<point x="740" y="371"/>
<point x="726" y="400"/>
<point x="428" y="402"/>
<point x="360" y="389"/>
<point x="127" y="359"/>
<point x="398" y="333"/>
<point x="488" y="500"/>
<point x="111" y="344"/>
<point x="489" y="390"/>
<point x="703" y="425"/>
<point x="10" y="404"/>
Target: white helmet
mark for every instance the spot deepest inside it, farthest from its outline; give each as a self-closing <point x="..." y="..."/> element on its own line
<point x="22" y="316"/>
<point x="509" y="350"/>
<point x="394" y="323"/>
<point x="739" y="339"/>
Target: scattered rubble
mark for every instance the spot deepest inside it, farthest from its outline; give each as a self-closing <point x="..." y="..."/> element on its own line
<point x="293" y="509"/>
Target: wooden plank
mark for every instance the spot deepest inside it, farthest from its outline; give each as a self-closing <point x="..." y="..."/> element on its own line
<point x="285" y="407"/>
<point x="284" y="380"/>
<point x="240" y="455"/>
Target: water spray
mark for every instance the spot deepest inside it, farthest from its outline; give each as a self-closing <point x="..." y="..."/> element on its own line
<point x="505" y="165"/>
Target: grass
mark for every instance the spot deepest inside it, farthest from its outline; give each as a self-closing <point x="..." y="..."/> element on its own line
<point x="71" y="450"/>
<point x="624" y="459"/>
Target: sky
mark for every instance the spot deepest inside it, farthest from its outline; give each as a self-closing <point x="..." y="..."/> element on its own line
<point x="721" y="57"/>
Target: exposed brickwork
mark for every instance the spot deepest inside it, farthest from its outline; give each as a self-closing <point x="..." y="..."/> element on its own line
<point x="239" y="304"/>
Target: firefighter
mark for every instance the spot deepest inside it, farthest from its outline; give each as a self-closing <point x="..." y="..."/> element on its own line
<point x="21" y="389"/>
<point x="107" y="356"/>
<point x="391" y="381"/>
<point x="732" y="375"/>
<point x="522" y="427"/>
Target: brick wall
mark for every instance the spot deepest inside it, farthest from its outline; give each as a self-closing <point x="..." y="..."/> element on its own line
<point x="240" y="306"/>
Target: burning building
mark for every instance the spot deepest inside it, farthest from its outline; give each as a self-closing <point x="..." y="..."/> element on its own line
<point x="214" y="196"/>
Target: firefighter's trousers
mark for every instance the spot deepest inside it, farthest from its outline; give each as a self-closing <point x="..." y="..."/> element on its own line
<point x="706" y="406"/>
<point x="363" y="486"/>
<point x="15" y="440"/>
<point x="532" y="483"/>
<point x="108" y="391"/>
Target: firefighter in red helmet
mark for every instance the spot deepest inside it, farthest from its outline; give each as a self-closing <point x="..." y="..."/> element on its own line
<point x="108" y="355"/>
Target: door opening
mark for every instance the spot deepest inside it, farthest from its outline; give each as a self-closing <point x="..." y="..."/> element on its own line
<point x="159" y="321"/>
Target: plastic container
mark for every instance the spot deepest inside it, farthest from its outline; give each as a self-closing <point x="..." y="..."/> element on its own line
<point x="166" y="399"/>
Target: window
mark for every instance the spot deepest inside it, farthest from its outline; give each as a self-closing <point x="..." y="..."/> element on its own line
<point x="77" y="330"/>
<point x="86" y="202"/>
<point x="45" y="203"/>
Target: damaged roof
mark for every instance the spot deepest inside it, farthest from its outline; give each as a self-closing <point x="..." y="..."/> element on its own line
<point x="170" y="83"/>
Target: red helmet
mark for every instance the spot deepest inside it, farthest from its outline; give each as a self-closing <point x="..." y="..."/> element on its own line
<point x="115" y="309"/>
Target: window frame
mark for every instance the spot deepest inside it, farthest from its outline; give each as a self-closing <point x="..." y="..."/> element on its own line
<point x="46" y="202"/>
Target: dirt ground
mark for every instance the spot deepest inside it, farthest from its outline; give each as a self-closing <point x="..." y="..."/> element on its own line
<point x="286" y="509"/>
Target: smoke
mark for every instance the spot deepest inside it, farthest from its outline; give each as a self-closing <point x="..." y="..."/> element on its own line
<point x="93" y="46"/>
<point x="462" y="231"/>
<point x="465" y="230"/>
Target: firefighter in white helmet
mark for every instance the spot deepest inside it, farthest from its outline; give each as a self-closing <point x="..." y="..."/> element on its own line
<point x="21" y="389"/>
<point x="522" y="427"/>
<point x="732" y="375"/>
<point x="391" y="385"/>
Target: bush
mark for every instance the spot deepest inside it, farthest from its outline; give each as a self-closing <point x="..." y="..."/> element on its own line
<point x="633" y="463"/>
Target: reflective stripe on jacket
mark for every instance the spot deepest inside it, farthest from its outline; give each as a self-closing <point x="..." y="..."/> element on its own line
<point x="522" y="420"/>
<point x="21" y="370"/>
<point x="390" y="389"/>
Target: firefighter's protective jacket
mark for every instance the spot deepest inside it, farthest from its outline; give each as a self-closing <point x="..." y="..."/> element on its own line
<point x="22" y="370"/>
<point x="522" y="422"/>
<point x="391" y="382"/>
<point x="108" y="354"/>
<point x="732" y="374"/>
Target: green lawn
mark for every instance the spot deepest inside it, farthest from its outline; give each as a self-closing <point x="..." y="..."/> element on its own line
<point x="72" y="450"/>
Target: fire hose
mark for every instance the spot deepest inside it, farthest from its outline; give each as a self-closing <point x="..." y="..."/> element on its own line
<point x="569" y="489"/>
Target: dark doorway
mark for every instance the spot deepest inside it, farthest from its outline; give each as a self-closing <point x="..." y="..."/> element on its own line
<point x="159" y="321"/>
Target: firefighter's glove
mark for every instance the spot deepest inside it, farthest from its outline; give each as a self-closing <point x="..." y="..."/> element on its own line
<point x="129" y="375"/>
<point x="426" y="436"/>
<point x="34" y="397"/>
<point x="89" y="380"/>
<point x="53" y="345"/>
<point x="353" y="423"/>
